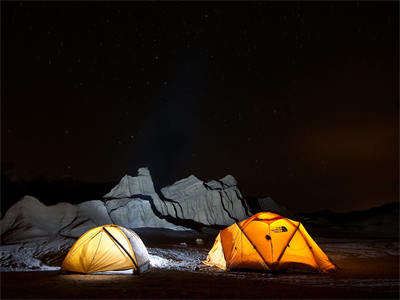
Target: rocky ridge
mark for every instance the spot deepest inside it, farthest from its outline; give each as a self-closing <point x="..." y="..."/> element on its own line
<point x="187" y="204"/>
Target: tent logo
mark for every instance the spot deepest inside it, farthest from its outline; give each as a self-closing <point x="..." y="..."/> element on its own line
<point x="279" y="229"/>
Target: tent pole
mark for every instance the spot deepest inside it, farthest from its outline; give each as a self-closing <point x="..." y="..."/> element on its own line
<point x="284" y="249"/>
<point x="269" y="267"/>
<point x="123" y="248"/>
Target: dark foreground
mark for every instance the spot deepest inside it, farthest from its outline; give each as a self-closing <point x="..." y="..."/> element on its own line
<point x="362" y="278"/>
<point x="369" y="268"/>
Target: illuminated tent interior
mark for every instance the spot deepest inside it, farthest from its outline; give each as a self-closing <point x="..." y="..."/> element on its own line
<point x="107" y="248"/>
<point x="267" y="241"/>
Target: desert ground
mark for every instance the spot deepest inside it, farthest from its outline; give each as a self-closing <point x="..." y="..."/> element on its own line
<point x="368" y="268"/>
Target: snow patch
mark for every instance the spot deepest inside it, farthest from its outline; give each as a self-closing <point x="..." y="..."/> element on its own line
<point x="40" y="255"/>
<point x="19" y="258"/>
<point x="177" y="258"/>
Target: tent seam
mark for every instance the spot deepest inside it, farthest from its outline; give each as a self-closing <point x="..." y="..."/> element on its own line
<point x="311" y="249"/>
<point x="98" y="245"/>
<point x="87" y="240"/>
<point x="131" y="248"/>
<point x="284" y="249"/>
<point x="262" y="257"/>
<point x="123" y="248"/>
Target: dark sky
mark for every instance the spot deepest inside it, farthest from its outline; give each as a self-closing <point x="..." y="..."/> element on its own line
<point x="299" y="101"/>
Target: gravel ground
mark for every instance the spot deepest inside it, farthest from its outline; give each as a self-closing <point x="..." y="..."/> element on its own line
<point x="368" y="269"/>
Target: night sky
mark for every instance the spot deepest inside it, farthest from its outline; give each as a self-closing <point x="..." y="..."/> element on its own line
<point x="298" y="101"/>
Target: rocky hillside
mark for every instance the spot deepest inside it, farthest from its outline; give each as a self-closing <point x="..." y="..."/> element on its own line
<point x="187" y="204"/>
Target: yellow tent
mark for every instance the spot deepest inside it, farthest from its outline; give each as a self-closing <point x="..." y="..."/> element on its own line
<point x="107" y="248"/>
<point x="267" y="241"/>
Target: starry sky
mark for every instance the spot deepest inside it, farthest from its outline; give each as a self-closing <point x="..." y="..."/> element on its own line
<point x="299" y="101"/>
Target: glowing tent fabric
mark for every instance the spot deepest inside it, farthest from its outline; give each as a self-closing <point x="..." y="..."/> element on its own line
<point x="267" y="241"/>
<point x="107" y="248"/>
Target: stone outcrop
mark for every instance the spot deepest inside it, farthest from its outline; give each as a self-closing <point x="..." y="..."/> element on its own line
<point x="129" y="186"/>
<point x="33" y="233"/>
<point x="89" y="214"/>
<point x="137" y="213"/>
<point x="216" y="202"/>
<point x="134" y="203"/>
<point x="31" y="219"/>
<point x="187" y="204"/>
<point x="209" y="203"/>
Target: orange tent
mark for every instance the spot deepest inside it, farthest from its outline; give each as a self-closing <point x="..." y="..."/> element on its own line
<point x="267" y="241"/>
<point x="107" y="248"/>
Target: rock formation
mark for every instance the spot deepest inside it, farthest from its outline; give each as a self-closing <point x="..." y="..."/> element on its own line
<point x="31" y="219"/>
<point x="209" y="203"/>
<point x="206" y="203"/>
<point x="137" y="212"/>
<point x="187" y="204"/>
<point x="33" y="233"/>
